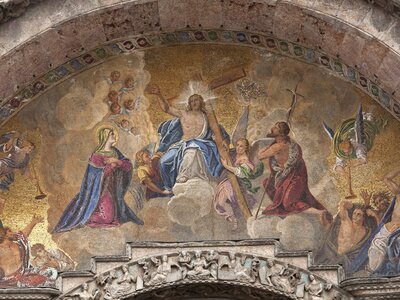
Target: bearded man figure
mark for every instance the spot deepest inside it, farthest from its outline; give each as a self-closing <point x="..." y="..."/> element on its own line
<point x="287" y="185"/>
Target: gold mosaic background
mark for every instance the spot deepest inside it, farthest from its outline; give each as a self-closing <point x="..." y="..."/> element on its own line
<point x="61" y="155"/>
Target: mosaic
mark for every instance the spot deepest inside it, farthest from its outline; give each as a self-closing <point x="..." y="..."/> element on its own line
<point x="197" y="142"/>
<point x="142" y="42"/>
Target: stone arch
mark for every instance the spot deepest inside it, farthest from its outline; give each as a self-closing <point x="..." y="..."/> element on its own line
<point x="350" y="33"/>
<point x="172" y="270"/>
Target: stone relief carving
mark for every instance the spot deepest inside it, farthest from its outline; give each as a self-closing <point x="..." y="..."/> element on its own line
<point x="208" y="266"/>
<point x="85" y="294"/>
<point x="166" y="271"/>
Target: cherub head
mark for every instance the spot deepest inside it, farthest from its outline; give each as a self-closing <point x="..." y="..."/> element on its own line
<point x="125" y="123"/>
<point x="129" y="104"/>
<point x="129" y="82"/>
<point x="115" y="108"/>
<point x="113" y="96"/>
<point x="115" y="75"/>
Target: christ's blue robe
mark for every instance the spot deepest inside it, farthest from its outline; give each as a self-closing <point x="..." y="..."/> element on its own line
<point x="170" y="142"/>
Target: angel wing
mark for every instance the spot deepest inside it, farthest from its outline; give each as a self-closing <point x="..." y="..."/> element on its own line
<point x="328" y="130"/>
<point x="240" y="130"/>
<point x="257" y="145"/>
<point x="137" y="190"/>
<point x="359" y="127"/>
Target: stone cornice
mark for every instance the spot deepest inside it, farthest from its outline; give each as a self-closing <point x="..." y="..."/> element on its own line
<point x="29" y="293"/>
<point x="373" y="288"/>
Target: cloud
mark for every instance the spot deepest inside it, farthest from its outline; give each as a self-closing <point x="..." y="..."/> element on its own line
<point x="263" y="228"/>
<point x="78" y="110"/>
<point x="192" y="201"/>
<point x="301" y="231"/>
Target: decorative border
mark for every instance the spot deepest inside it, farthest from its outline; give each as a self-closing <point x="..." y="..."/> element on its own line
<point x="98" y="280"/>
<point x="9" y="107"/>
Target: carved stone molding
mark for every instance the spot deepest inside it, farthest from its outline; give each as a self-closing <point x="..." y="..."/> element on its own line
<point x="29" y="293"/>
<point x="373" y="288"/>
<point x="248" y="269"/>
<point x="171" y="270"/>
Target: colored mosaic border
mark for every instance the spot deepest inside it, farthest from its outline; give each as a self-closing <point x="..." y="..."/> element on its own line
<point x="98" y="55"/>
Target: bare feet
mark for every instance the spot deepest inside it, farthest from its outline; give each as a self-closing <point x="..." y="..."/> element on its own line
<point x="234" y="221"/>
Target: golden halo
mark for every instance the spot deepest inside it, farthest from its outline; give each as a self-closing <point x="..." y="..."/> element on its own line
<point x="107" y="126"/>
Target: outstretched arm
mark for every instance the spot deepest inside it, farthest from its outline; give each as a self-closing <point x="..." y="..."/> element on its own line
<point x="344" y="207"/>
<point x="164" y="103"/>
<point x="152" y="186"/>
<point x="393" y="186"/>
<point x="28" y="229"/>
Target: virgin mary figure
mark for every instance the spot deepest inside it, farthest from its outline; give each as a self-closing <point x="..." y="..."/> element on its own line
<point x="100" y="202"/>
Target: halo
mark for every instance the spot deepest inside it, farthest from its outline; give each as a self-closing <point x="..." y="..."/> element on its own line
<point x="107" y="126"/>
<point x="196" y="87"/>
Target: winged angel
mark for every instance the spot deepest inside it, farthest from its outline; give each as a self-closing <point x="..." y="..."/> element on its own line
<point x="243" y="166"/>
<point x="18" y="151"/>
<point x="353" y="139"/>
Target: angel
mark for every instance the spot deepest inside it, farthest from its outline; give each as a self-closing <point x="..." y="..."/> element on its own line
<point x="146" y="182"/>
<point x="353" y="139"/>
<point x="18" y="152"/>
<point x="225" y="200"/>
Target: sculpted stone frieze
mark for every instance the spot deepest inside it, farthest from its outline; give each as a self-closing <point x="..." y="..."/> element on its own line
<point x="207" y="266"/>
